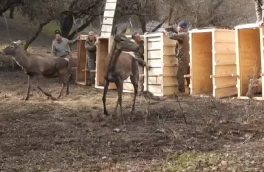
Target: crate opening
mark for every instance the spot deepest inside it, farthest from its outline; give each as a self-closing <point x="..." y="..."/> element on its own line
<point x="249" y="57"/>
<point x="102" y="60"/>
<point x="201" y="60"/>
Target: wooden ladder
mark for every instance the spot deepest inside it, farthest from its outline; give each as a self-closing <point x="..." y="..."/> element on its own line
<point x="109" y="14"/>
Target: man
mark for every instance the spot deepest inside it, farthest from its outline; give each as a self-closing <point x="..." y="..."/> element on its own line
<point x="182" y="53"/>
<point x="259" y="11"/>
<point x="140" y="58"/>
<point x="90" y="45"/>
<point x="60" y="45"/>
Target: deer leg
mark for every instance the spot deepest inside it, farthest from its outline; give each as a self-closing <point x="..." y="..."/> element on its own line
<point x="134" y="81"/>
<point x="104" y="96"/>
<point x="29" y="87"/>
<point x="62" y="88"/>
<point x="46" y="93"/>
<point x="119" y="85"/>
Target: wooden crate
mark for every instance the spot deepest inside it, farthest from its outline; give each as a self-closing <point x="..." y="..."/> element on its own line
<point x="213" y="62"/>
<point x="102" y="60"/>
<point x="82" y="71"/>
<point x="160" y="56"/>
<point x="249" y="56"/>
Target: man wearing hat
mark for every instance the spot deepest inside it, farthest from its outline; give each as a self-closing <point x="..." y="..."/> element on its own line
<point x="182" y="53"/>
<point x="90" y="45"/>
<point x="259" y="11"/>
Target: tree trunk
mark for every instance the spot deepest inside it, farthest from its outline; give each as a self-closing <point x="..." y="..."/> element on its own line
<point x="41" y="25"/>
<point x="66" y="23"/>
<point x="143" y="24"/>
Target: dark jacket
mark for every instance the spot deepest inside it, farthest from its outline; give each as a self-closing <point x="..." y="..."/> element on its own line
<point x="182" y="45"/>
<point x="91" y="49"/>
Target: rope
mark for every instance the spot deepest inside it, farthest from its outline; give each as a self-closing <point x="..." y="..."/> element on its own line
<point x="7" y="29"/>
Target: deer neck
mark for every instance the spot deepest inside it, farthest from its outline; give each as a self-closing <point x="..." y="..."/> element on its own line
<point x="21" y="58"/>
<point x="114" y="54"/>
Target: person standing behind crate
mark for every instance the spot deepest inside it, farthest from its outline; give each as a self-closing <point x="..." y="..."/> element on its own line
<point x="140" y="58"/>
<point x="182" y="53"/>
<point x="259" y="11"/>
<point x="90" y="45"/>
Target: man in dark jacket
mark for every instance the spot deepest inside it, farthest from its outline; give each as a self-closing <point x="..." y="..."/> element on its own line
<point x="90" y="45"/>
<point x="182" y="53"/>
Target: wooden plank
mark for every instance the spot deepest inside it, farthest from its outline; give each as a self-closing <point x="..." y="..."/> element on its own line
<point x="157" y="71"/>
<point x="169" y="51"/>
<point x="154" y="46"/>
<point x="154" y="54"/>
<point x="224" y="81"/>
<point x="226" y="92"/>
<point x="110" y="6"/>
<point x="154" y="39"/>
<point x="109" y="14"/>
<point x="108" y="21"/>
<point x="170" y="81"/>
<point x="225" y="70"/>
<point x="167" y="91"/>
<point x="169" y="71"/>
<point x="155" y="62"/>
<point x="170" y="61"/>
<point x="223" y="36"/>
<point x="111" y="1"/>
<point x="225" y="58"/>
<point x="107" y="28"/>
<point x="155" y="80"/>
<point x="168" y="42"/>
<point x="223" y="47"/>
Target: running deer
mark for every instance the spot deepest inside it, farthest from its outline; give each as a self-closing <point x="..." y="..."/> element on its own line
<point x="47" y="66"/>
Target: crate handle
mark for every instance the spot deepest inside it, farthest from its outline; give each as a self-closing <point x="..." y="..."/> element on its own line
<point x="225" y="75"/>
<point x="187" y="76"/>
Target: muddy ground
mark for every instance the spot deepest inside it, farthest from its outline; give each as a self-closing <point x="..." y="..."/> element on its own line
<point x="72" y="134"/>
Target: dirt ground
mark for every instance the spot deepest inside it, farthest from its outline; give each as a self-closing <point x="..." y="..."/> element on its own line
<point x="72" y="134"/>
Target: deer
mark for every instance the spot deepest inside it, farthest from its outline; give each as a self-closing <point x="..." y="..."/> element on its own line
<point x="254" y="86"/>
<point x="122" y="64"/>
<point x="34" y="65"/>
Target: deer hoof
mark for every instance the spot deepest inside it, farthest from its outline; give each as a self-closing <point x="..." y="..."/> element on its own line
<point x="106" y="113"/>
<point x="26" y="99"/>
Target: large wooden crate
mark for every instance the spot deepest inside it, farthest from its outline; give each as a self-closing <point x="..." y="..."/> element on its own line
<point x="160" y="55"/>
<point x="249" y="56"/>
<point x="213" y="62"/>
<point x="82" y="71"/>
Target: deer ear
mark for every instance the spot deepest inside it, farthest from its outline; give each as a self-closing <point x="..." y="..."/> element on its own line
<point x="124" y="30"/>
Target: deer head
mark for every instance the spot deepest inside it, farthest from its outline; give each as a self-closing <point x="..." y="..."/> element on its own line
<point x="123" y="43"/>
<point x="11" y="49"/>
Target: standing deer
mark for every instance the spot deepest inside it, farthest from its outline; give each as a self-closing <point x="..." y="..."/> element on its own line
<point x="121" y="66"/>
<point x="47" y="66"/>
